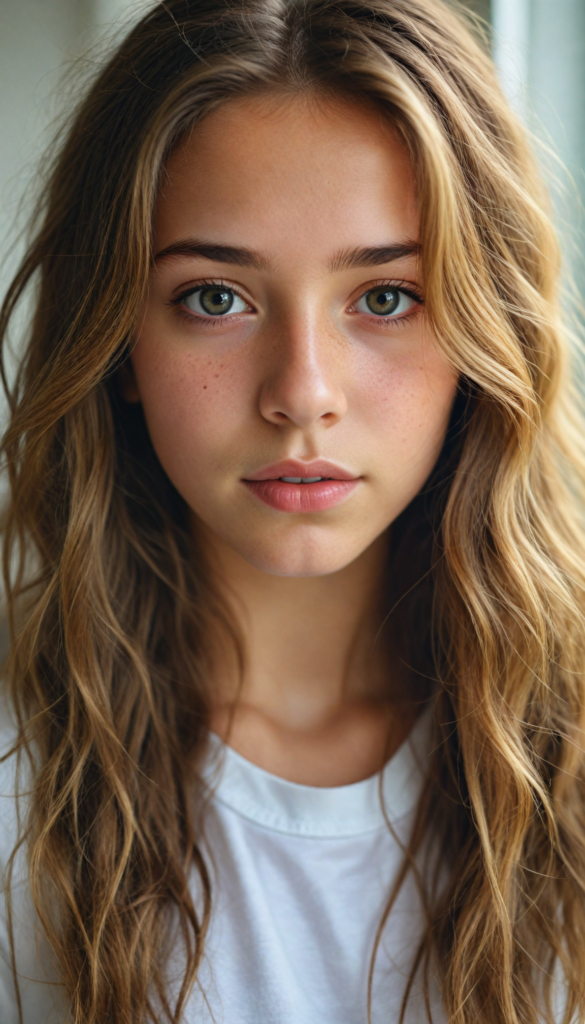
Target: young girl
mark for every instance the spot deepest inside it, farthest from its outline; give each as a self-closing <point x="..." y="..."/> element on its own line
<point x="294" y="547"/>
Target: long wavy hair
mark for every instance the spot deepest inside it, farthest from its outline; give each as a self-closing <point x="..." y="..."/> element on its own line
<point x="110" y="602"/>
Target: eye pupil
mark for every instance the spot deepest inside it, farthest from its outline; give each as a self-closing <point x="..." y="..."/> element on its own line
<point x="383" y="301"/>
<point x="216" y="300"/>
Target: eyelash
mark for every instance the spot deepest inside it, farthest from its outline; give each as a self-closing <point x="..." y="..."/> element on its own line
<point x="382" y="321"/>
<point x="394" y="321"/>
<point x="209" y="321"/>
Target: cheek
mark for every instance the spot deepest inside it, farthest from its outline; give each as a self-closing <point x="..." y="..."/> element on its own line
<point x="191" y="404"/>
<point x="406" y="401"/>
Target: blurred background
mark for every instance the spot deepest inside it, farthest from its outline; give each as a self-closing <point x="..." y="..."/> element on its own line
<point x="46" y="47"/>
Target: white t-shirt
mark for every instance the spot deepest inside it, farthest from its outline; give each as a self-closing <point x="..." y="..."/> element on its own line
<point x="300" y="878"/>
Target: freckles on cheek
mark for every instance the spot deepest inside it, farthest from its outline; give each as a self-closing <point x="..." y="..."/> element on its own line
<point x="184" y="379"/>
<point x="186" y="400"/>
<point x="408" y="403"/>
<point x="390" y="392"/>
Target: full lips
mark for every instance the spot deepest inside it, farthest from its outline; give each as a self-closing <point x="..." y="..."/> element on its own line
<point x="315" y="497"/>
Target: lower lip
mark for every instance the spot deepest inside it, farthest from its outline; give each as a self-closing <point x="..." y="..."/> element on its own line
<point x="301" y="497"/>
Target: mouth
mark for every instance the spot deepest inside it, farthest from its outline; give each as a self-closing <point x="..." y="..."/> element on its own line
<point x="293" y="486"/>
<point x="304" y="480"/>
<point x="293" y="471"/>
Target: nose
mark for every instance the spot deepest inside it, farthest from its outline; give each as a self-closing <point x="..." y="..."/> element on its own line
<point x="302" y="383"/>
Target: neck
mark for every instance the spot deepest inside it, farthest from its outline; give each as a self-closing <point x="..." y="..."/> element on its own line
<point x="317" y="682"/>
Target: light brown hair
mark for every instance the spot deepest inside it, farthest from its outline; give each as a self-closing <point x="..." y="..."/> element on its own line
<point x="109" y="599"/>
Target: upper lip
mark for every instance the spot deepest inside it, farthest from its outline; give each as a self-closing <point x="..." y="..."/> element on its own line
<point x="290" y="467"/>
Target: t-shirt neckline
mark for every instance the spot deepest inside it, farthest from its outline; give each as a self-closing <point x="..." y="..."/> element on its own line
<point x="335" y="812"/>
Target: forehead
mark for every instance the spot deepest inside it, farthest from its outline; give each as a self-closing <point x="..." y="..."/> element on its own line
<point x="290" y="175"/>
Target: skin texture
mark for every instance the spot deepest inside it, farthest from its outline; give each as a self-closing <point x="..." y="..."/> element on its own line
<point x="302" y="372"/>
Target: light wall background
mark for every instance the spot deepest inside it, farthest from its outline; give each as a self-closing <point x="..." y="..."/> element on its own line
<point x="539" y="47"/>
<point x="46" y="46"/>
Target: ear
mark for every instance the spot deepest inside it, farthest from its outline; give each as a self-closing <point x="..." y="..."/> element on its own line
<point x="127" y="384"/>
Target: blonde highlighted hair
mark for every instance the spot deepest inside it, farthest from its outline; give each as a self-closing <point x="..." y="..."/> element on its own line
<point x="109" y="598"/>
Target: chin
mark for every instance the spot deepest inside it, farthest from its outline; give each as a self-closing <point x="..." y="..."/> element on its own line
<point x="298" y="559"/>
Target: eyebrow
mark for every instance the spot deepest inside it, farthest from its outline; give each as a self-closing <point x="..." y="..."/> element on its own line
<point x="236" y="255"/>
<point x="240" y="256"/>
<point x="374" y="255"/>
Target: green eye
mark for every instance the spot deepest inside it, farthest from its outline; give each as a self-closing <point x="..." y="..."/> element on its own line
<point x="214" y="300"/>
<point x="385" y="301"/>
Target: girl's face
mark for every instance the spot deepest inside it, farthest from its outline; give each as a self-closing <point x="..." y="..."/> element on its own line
<point x="284" y="337"/>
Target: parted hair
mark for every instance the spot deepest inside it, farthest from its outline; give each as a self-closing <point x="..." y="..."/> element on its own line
<point x="110" y="601"/>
